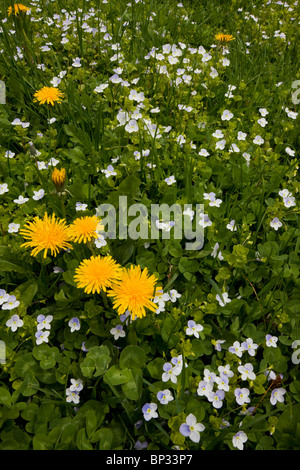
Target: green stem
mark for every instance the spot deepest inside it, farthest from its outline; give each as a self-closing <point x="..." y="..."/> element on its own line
<point x="104" y="299"/>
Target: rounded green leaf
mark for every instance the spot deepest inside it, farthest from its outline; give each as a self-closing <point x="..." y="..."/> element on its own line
<point x="132" y="356"/>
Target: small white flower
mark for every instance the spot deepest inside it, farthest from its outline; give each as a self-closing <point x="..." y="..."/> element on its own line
<point x="115" y="78"/>
<point x="3" y="188"/>
<point x="10" y="303"/>
<point x="277" y="395"/>
<point x="203" y="153"/>
<point x="263" y="112"/>
<point x="72" y="396"/>
<point x="218" y="134"/>
<point x="13" y="228"/>
<point x="224" y="300"/>
<point x="117" y="332"/>
<point x="109" y="171"/>
<point x="220" y="144"/>
<point x="42" y="336"/>
<point x="4" y="296"/>
<point x="290" y="152"/>
<point x="271" y="341"/>
<point x="291" y="114"/>
<point x="169" y="373"/>
<point x="275" y="223"/>
<point x="242" y="395"/>
<point x="42" y="165"/>
<point x="262" y="122"/>
<point x="249" y="346"/>
<point x="285" y="193"/>
<point x="174" y="295"/>
<point x="101" y="88"/>
<point x="231" y="226"/>
<point x="236" y="348"/>
<point x="38" y="194"/>
<point x="246" y="372"/>
<point x="21" y="200"/>
<point x="234" y="148"/>
<point x="222" y="383"/>
<point x="215" y="202"/>
<point x="80" y="206"/>
<point x="247" y="157"/>
<point x="189" y="212"/>
<point x="44" y="322"/>
<point x="164" y="396"/>
<point x="205" y="220"/>
<point x="225" y="62"/>
<point x="77" y="385"/>
<point x="239" y="439"/>
<point x="132" y="126"/>
<point x="289" y="201"/>
<point x="55" y="81"/>
<point x="191" y="428"/>
<point x="100" y="241"/>
<point x="149" y="411"/>
<point x="170" y="180"/>
<point x="226" y="115"/>
<point x="204" y="388"/>
<point x="57" y="270"/>
<point x="74" y="324"/>
<point x="14" y="323"/>
<point x="193" y="328"/>
<point x="241" y="135"/>
<point x="76" y="62"/>
<point x="258" y="140"/>
<point x="9" y="154"/>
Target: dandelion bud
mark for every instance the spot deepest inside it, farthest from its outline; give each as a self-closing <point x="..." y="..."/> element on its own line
<point x="59" y="178"/>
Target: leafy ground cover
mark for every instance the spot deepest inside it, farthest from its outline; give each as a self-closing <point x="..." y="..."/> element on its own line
<point x="120" y="343"/>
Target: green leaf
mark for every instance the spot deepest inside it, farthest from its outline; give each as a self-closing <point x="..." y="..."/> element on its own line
<point x="82" y="442"/>
<point x="76" y="155"/>
<point x="91" y="423"/>
<point x="96" y="361"/>
<point x="169" y="331"/>
<point x="155" y="368"/>
<point x="29" y="385"/>
<point x="93" y="413"/>
<point x="41" y="442"/>
<point x="117" y="376"/>
<point x="10" y="261"/>
<point x="25" y="363"/>
<point x="5" y="397"/>
<point x="288" y="420"/>
<point x="27" y="291"/>
<point x="105" y="436"/>
<point x="30" y="412"/>
<point x="188" y="265"/>
<point x="238" y="257"/>
<point x="133" y="388"/>
<point x="68" y="432"/>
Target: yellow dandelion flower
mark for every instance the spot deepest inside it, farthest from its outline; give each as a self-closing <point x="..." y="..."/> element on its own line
<point x="134" y="292"/>
<point x="46" y="234"/>
<point x="97" y="273"/>
<point x="59" y="177"/>
<point x="84" y="229"/>
<point x="224" y="38"/>
<point x="18" y="7"/>
<point x="48" y="95"/>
